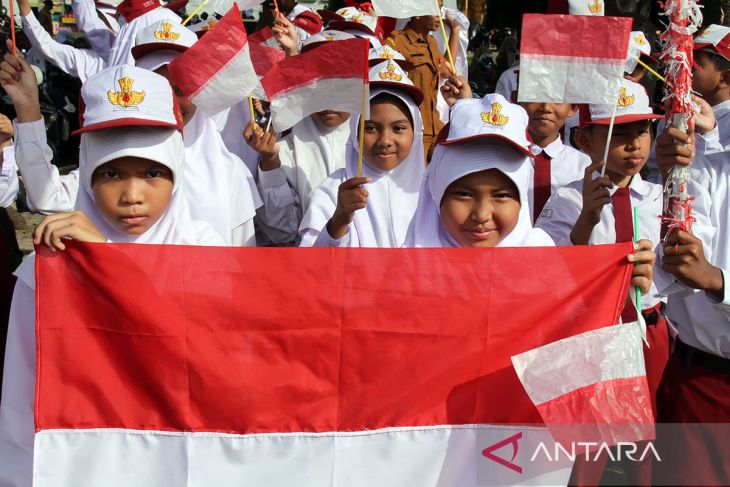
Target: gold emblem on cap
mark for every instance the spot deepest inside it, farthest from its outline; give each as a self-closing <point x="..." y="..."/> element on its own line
<point x="387" y="53"/>
<point x="640" y="40"/>
<point x="166" y="34"/>
<point x="389" y="73"/>
<point x="596" y="7"/>
<point x="623" y="100"/>
<point x="329" y="37"/>
<point x="125" y="97"/>
<point x="495" y="117"/>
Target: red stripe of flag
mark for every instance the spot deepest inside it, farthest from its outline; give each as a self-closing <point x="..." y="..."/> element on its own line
<point x="315" y="340"/>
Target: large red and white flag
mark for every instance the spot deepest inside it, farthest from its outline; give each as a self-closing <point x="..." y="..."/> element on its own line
<point x="572" y="58"/>
<point x="203" y="366"/>
<point x="330" y="77"/>
<point x="405" y="9"/>
<point x="216" y="73"/>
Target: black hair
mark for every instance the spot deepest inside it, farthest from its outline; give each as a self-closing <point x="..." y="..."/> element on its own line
<point x="390" y="98"/>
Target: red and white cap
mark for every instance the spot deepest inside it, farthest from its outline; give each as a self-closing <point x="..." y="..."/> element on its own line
<point x="632" y="105"/>
<point x="388" y="74"/>
<point x="125" y="95"/>
<point x="354" y="19"/>
<point x="491" y="116"/>
<point x="158" y="44"/>
<point x="577" y="7"/>
<point x="200" y="28"/>
<point x="639" y="43"/>
<point x="384" y="53"/>
<point x="308" y="21"/>
<point x="324" y="37"/>
<point x="715" y="38"/>
<point x="131" y="9"/>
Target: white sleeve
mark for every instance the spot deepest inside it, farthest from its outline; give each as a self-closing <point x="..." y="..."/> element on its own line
<point x="17" y="429"/>
<point x="558" y="218"/>
<point x="312" y="238"/>
<point x="708" y="143"/>
<point x="244" y="235"/>
<point x="281" y="212"/>
<point x="9" y="184"/>
<point x="88" y="22"/>
<point x="81" y="63"/>
<point x="47" y="192"/>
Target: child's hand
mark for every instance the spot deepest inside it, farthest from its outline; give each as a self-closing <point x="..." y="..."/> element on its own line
<point x="265" y="144"/>
<point x="674" y="147"/>
<point x="704" y="120"/>
<point x="285" y="34"/>
<point x="6" y="131"/>
<point x="75" y="225"/>
<point x="595" y="197"/>
<point x="455" y="88"/>
<point x="21" y="85"/>
<point x="685" y="258"/>
<point x="644" y="257"/>
<point x="351" y="196"/>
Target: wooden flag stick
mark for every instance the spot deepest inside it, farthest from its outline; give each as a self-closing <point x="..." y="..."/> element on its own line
<point x="253" y="111"/>
<point x="12" y="26"/>
<point x="466" y="8"/>
<point x="365" y="102"/>
<point x="197" y="9"/>
<point x="446" y="41"/>
<point x="608" y="138"/>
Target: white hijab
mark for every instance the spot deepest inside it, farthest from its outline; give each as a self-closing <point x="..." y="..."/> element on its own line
<point x="393" y="195"/>
<point x="451" y="162"/>
<point x="310" y="154"/>
<point x="220" y="188"/>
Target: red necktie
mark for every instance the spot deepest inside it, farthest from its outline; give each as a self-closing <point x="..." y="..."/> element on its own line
<point x="541" y="185"/>
<point x="624" y="233"/>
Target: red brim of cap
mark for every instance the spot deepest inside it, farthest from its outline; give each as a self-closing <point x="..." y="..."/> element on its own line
<point x="510" y="142"/>
<point x="330" y="16"/>
<point x="622" y="119"/>
<point x="405" y="65"/>
<point x="344" y="25"/>
<point x="140" y="51"/>
<point x="706" y="46"/>
<point x="648" y="58"/>
<point x="125" y="122"/>
<point x="411" y="91"/>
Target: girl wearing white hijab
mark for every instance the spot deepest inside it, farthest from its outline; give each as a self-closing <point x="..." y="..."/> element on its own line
<point x="132" y="190"/>
<point x="373" y="210"/>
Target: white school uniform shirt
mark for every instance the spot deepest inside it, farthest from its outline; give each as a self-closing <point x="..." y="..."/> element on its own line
<point x="308" y="155"/>
<point x="392" y="200"/>
<point x="80" y="63"/>
<point x="9" y="184"/>
<point x="566" y="165"/>
<point x="507" y="82"/>
<point x="121" y="50"/>
<point x="561" y="212"/>
<point x="702" y="320"/>
<point x="88" y="22"/>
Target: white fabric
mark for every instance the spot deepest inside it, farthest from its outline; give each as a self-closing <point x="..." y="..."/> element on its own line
<point x="121" y="51"/>
<point x="423" y="456"/>
<point x="701" y="320"/>
<point x="448" y="164"/>
<point x="713" y="34"/>
<point x="47" y="192"/>
<point x="231" y="123"/>
<point x="374" y="40"/>
<point x="405" y="9"/>
<point x="460" y="57"/>
<point x="558" y="368"/>
<point x="80" y="63"/>
<point x="179" y="35"/>
<point x="88" y="22"/>
<point x="157" y="59"/>
<point x="392" y="199"/>
<point x="9" y="184"/>
<point x="220" y="188"/>
<point x="586" y="7"/>
<point x="632" y="100"/>
<point x="507" y="83"/>
<point x="561" y="211"/>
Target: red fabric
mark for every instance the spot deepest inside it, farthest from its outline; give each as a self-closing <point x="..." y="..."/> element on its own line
<point x="577" y="36"/>
<point x="309" y="21"/>
<point x="275" y="340"/>
<point x="542" y="183"/>
<point x="342" y="59"/>
<point x="264" y="58"/>
<point x="131" y="9"/>
<point x="195" y="67"/>
<point x="621" y="202"/>
<point x="262" y="36"/>
<point x="656" y="356"/>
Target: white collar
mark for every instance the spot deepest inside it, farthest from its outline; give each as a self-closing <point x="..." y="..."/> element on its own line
<point x="554" y="149"/>
<point x="637" y="186"/>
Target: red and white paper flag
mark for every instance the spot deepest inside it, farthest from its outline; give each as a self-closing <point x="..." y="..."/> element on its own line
<point x="405" y="9"/>
<point x="224" y="374"/>
<point x="217" y="72"/>
<point x="263" y="58"/>
<point x="264" y="36"/>
<point x="572" y="58"/>
<point x="329" y="77"/>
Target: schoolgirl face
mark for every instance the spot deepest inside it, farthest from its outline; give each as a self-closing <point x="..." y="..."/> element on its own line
<point x="480" y="209"/>
<point x="132" y="193"/>
<point x="388" y="134"/>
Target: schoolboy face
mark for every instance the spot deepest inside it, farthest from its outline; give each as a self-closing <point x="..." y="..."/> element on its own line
<point x="186" y="106"/>
<point x="132" y="193"/>
<point x="546" y="119"/>
<point x="706" y="78"/>
<point x="628" y="150"/>
<point x="480" y="209"/>
<point x="330" y="119"/>
<point x="388" y="136"/>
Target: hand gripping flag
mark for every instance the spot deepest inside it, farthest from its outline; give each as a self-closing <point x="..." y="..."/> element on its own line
<point x="329" y="77"/>
<point x="216" y="73"/>
<point x="572" y="58"/>
<point x="205" y="366"/>
<point x="405" y="9"/>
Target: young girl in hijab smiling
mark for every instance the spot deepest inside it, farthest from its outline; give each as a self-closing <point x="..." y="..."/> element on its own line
<point x="373" y="210"/>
